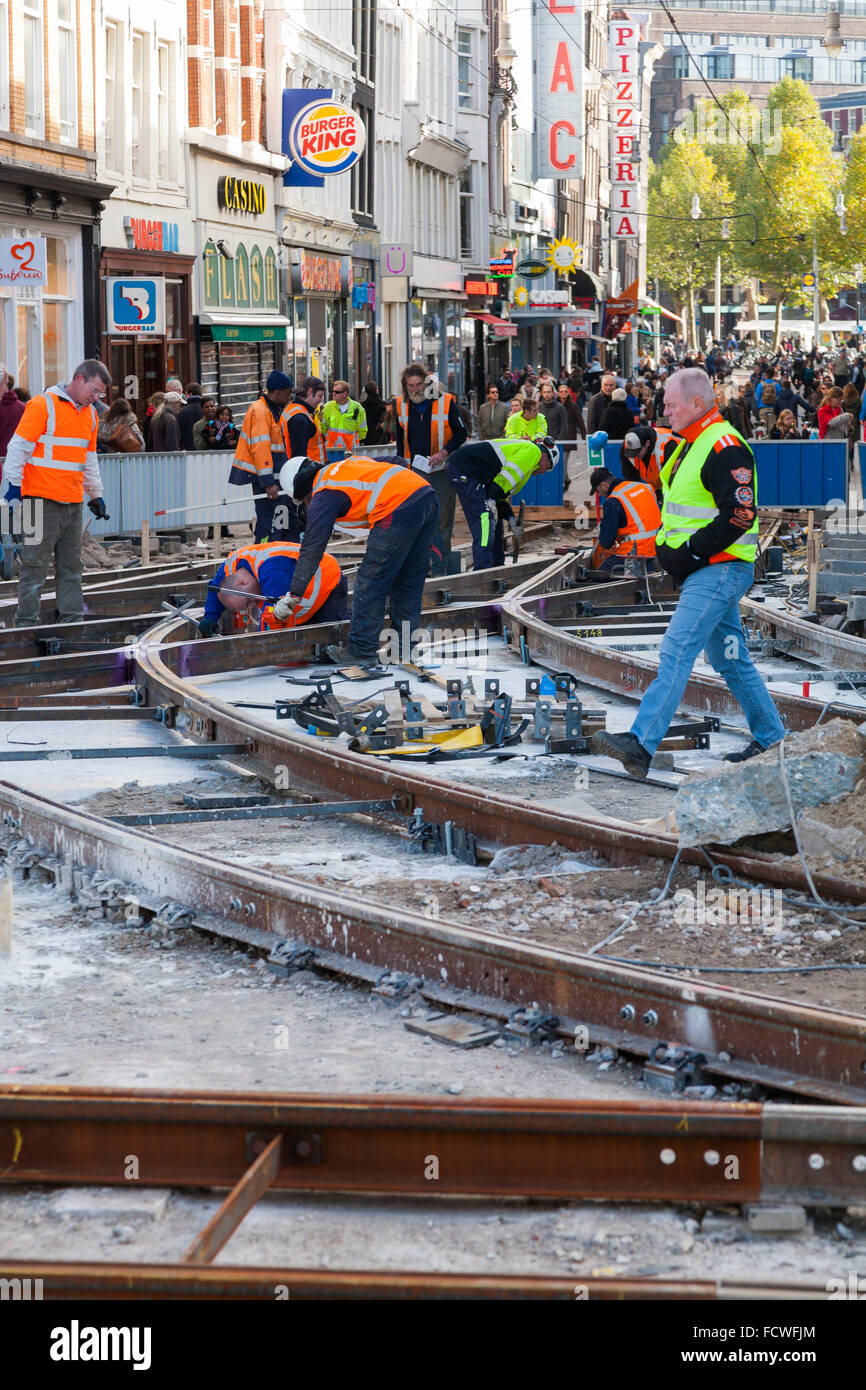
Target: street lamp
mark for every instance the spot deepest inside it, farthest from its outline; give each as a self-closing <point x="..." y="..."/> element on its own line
<point x="696" y="207"/>
<point x="832" y="42"/>
<point x="506" y="52"/>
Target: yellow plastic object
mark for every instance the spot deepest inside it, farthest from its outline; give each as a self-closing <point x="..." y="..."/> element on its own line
<point x="448" y="739"/>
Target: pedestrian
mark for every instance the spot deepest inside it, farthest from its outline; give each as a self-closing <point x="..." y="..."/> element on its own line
<point x="220" y="432"/>
<point x="164" y="431"/>
<point x="260" y="453"/>
<point x="398" y="512"/>
<point x="208" y="411"/>
<point x="767" y="409"/>
<point x="174" y="384"/>
<point x="11" y="409"/>
<point x="593" y="377"/>
<point x="851" y="400"/>
<point x="374" y="409"/>
<point x="789" y="399"/>
<point x="575" y="423"/>
<point x="429" y="426"/>
<point x="707" y="542"/>
<point x="153" y="404"/>
<point x="492" y="416"/>
<point x="118" y="432"/>
<point x="189" y="414"/>
<point x="52" y="457"/>
<point x="257" y="576"/>
<point x="830" y="407"/>
<point x="342" y="421"/>
<point x="507" y="386"/>
<point x="484" y="477"/>
<point x="841" y="368"/>
<point x="599" y="402"/>
<point x="786" y="427"/>
<point x="555" y="415"/>
<point x="616" y="418"/>
<point x="630" y="517"/>
<point x="528" y="422"/>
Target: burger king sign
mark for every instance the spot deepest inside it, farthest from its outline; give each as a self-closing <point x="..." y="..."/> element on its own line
<point x="321" y="136"/>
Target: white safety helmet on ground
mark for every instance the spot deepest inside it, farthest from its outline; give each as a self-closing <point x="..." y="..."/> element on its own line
<point x="289" y="471"/>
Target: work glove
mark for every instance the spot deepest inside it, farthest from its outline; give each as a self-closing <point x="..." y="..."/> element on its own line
<point x="99" y="509"/>
<point x="681" y="562"/>
<point x="208" y="626"/>
<point x="493" y="507"/>
<point x="285" y="607"/>
<point x="13" y="493"/>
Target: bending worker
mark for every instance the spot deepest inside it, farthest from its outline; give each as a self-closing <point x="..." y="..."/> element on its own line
<point x="260" y="455"/>
<point x="707" y="542"/>
<point x="398" y="511"/>
<point x="484" y="475"/>
<point x="51" y="457"/>
<point x="630" y="518"/>
<point x="257" y="576"/>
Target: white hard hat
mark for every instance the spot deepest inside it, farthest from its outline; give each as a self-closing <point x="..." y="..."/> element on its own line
<point x="288" y="471"/>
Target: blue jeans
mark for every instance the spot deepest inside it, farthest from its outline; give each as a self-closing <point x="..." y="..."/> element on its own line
<point x="707" y="618"/>
<point x="393" y="571"/>
<point x="488" y="534"/>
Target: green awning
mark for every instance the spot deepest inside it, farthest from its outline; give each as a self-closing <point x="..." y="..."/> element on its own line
<point x="248" y="333"/>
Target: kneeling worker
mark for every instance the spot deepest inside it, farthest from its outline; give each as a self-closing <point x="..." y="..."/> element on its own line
<point x="484" y="475"/>
<point x="630" y="518"/>
<point x="707" y="542"/>
<point x="398" y="511"/>
<point x="257" y="576"/>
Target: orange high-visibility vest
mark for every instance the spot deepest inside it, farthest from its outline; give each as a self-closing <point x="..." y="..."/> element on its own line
<point x="320" y="587"/>
<point x="316" y="446"/>
<point x="644" y="519"/>
<point x="64" y="434"/>
<point x="376" y="489"/>
<point x="260" y="447"/>
<point x="440" y="430"/>
<point x="341" y="439"/>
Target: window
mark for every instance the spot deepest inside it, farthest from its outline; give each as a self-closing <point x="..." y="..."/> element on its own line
<point x="364" y="40"/>
<point x="67" y="63"/>
<point x="140" y="123"/>
<point x="681" y="65"/>
<point x="4" y="68"/>
<point x="464" y="67"/>
<point x="720" y="65"/>
<point x="800" y="68"/>
<point x="113" y="96"/>
<point x="234" y="113"/>
<point x="466" y="248"/>
<point x="362" y="172"/>
<point x="34" y="87"/>
<point x="165" y="151"/>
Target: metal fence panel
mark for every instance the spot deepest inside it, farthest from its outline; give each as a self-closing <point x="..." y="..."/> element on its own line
<point x="136" y="486"/>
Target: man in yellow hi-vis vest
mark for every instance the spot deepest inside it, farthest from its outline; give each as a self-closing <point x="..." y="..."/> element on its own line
<point x="707" y="542"/>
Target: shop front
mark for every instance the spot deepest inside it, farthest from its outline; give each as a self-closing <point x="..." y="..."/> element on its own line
<point x="436" y="306"/>
<point x="486" y="336"/>
<point x="146" y="269"/>
<point x="241" y="334"/>
<point x="49" y="322"/>
<point x="540" y="316"/>
<point x="361" y="342"/>
<point x="319" y="290"/>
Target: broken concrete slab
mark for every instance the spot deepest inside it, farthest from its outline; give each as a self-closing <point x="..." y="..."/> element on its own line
<point x="776" y="1218"/>
<point x="112" y="1203"/>
<point x="821" y="841"/>
<point x="823" y="765"/>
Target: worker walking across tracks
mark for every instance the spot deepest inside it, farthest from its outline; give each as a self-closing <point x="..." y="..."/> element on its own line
<point x="398" y="513"/>
<point x="708" y="542"/>
<point x="484" y="475"/>
<point x="257" y="576"/>
<point x="52" y="458"/>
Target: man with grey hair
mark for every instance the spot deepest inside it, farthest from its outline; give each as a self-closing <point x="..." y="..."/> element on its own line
<point x="599" y="403"/>
<point x="707" y="542"/>
<point x="52" y="459"/>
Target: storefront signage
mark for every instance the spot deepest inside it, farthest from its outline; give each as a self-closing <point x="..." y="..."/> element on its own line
<point x="625" y="128"/>
<point x="241" y="195"/>
<point x="144" y="235"/>
<point x="23" y="261"/>
<point x="364" y="295"/>
<point x="617" y="311"/>
<point x="482" y="287"/>
<point x="559" y="100"/>
<point x="135" y="307"/>
<point x="531" y="270"/>
<point x="580" y="326"/>
<point x="247" y="280"/>
<point x="502" y="265"/>
<point x="549" y="299"/>
<point x="395" y="258"/>
<point x="248" y="333"/>
<point x="321" y="136"/>
<point x="320" y="274"/>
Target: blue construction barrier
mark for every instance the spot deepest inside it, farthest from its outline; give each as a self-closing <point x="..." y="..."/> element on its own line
<point x="544" y="489"/>
<point x="791" y="472"/>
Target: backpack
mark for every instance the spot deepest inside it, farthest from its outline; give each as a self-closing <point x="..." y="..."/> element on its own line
<point x="768" y="395"/>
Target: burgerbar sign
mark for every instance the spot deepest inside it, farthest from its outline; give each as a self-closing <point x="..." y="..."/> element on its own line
<point x="326" y="138"/>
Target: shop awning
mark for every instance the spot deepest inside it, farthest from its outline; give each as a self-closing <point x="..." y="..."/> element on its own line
<point x="652" y="304"/>
<point x="501" y="327"/>
<point x="251" y="328"/>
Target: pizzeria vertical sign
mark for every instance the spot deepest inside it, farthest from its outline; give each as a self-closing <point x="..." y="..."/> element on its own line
<point x="559" y="90"/>
<point x="625" y="128"/>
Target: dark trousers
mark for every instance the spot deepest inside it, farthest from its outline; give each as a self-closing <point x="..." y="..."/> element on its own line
<point x="442" y="486"/>
<point x="336" y="605"/>
<point x="266" y="529"/>
<point x="393" y="572"/>
<point x="59" y="539"/>
<point x="488" y="532"/>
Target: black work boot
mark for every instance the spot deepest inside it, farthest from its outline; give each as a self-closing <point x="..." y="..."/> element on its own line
<point x="626" y="749"/>
<point x="751" y="750"/>
<point x="344" y="656"/>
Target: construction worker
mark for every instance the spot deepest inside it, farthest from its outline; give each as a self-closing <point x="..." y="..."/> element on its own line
<point x="51" y="457"/>
<point x="342" y="421"/>
<point x="630" y="519"/>
<point x="647" y="447"/>
<point x="300" y="434"/>
<point x="707" y="542"/>
<point x="526" y="423"/>
<point x="429" y="425"/>
<point x="259" y="455"/>
<point x="398" y="512"/>
<point x="256" y="576"/>
<point x="484" y="476"/>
